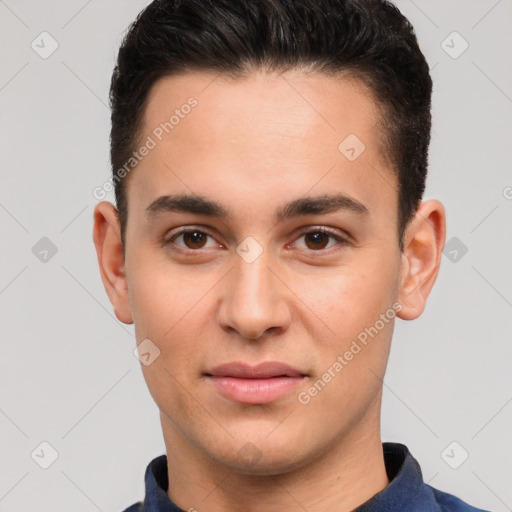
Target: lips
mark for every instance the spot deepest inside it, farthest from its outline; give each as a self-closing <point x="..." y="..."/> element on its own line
<point x="264" y="383"/>
<point x="260" y="371"/>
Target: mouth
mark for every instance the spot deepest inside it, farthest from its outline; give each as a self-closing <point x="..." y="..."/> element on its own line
<point x="260" y="384"/>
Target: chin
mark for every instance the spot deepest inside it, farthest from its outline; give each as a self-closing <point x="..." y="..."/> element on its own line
<point x="266" y="465"/>
<point x="263" y="457"/>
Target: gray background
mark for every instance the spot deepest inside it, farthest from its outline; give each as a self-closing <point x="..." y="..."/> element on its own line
<point x="67" y="372"/>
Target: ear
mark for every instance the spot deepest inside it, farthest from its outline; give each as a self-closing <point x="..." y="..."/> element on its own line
<point x="424" y="239"/>
<point x="107" y="239"/>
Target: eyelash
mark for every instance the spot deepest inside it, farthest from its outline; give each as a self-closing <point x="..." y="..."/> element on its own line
<point x="320" y="229"/>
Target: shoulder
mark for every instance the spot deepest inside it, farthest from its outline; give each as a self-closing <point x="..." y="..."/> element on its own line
<point x="136" y="507"/>
<point x="450" y="503"/>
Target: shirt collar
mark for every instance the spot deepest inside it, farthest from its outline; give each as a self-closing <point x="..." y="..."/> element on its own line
<point x="405" y="481"/>
<point x="404" y="488"/>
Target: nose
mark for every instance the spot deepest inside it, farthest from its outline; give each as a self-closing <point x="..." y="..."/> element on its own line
<point x="254" y="300"/>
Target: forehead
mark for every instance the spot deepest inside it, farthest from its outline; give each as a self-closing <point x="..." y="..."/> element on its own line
<point x="291" y="131"/>
<point x="291" y="104"/>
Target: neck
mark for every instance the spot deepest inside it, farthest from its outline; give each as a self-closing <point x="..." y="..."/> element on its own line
<point x="348" y="474"/>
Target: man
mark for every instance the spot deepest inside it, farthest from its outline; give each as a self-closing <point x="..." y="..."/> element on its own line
<point x="269" y="160"/>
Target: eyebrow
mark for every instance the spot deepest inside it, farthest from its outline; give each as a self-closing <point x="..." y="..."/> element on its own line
<point x="195" y="204"/>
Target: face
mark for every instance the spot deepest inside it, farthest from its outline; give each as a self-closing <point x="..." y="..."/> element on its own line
<point x="250" y="273"/>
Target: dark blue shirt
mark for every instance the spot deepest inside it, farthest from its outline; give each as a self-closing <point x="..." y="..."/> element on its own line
<point x="406" y="490"/>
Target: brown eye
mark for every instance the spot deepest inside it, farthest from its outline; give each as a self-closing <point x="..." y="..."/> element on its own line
<point x="194" y="239"/>
<point x="316" y="240"/>
<point x="320" y="240"/>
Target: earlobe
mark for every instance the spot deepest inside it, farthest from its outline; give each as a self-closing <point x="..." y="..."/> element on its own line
<point x="423" y="244"/>
<point x="107" y="240"/>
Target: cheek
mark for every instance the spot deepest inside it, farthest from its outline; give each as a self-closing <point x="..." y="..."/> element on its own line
<point x="349" y="304"/>
<point x="167" y="310"/>
<point x="352" y="297"/>
<point x="162" y="297"/>
<point x="172" y="321"/>
<point x="353" y="356"/>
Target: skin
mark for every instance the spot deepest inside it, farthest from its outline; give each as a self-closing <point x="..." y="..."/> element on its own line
<point x="252" y="145"/>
